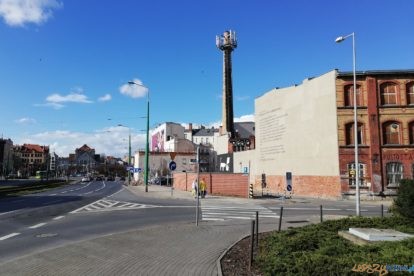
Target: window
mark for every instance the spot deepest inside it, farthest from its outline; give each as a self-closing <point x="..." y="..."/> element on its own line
<point x="349" y="95"/>
<point x="388" y="92"/>
<point x="352" y="174"/>
<point x="412" y="171"/>
<point x="410" y="93"/>
<point x="349" y="134"/>
<point x="411" y="132"/>
<point x="394" y="173"/>
<point x="392" y="134"/>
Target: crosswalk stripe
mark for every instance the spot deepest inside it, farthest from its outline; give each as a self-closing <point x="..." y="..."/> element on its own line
<point x="111" y="205"/>
<point x="219" y="213"/>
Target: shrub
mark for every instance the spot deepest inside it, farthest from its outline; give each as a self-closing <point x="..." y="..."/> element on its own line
<point x="404" y="203"/>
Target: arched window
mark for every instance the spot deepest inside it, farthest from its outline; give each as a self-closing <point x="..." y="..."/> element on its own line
<point x="412" y="171"/>
<point x="349" y="95"/>
<point x="411" y="132"/>
<point x="392" y="133"/>
<point x="388" y="92"/>
<point x="410" y="93"/>
<point x="352" y="174"/>
<point x="394" y="173"/>
<point x="349" y="134"/>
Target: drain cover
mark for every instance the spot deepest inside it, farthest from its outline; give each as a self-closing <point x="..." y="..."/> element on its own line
<point x="47" y="235"/>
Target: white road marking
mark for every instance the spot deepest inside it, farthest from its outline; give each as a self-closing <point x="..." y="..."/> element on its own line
<point x="37" y="225"/>
<point x="8" y="236"/>
<point x="7" y="212"/>
<point x="59" y="217"/>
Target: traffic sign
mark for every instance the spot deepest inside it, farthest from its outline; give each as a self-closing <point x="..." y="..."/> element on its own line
<point x="137" y="170"/>
<point x="172" y="155"/>
<point x="131" y="169"/>
<point x="172" y="165"/>
<point x="289" y="181"/>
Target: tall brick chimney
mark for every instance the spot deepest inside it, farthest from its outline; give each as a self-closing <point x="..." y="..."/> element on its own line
<point x="227" y="43"/>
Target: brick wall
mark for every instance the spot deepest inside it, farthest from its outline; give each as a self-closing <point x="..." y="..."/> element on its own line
<point x="225" y="184"/>
<point x="312" y="186"/>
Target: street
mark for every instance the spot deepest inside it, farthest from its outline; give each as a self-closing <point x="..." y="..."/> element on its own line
<point x="85" y="211"/>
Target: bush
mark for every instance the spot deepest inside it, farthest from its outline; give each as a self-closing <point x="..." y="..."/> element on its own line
<point x="404" y="203"/>
<point x="318" y="249"/>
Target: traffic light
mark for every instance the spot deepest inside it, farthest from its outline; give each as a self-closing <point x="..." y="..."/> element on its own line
<point x="263" y="180"/>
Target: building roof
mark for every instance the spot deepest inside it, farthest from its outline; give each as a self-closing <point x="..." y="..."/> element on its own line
<point x="375" y="72"/>
<point x="204" y="131"/>
<point x="244" y="129"/>
<point x="36" y="148"/>
<point x="85" y="147"/>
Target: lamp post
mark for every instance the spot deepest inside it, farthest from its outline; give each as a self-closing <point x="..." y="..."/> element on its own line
<point x="147" y="139"/>
<point x="129" y="153"/>
<point x="357" y="199"/>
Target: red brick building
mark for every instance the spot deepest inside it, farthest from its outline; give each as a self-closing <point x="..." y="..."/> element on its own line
<point x="385" y="103"/>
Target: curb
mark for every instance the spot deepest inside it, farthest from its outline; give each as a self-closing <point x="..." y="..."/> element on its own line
<point x="219" y="272"/>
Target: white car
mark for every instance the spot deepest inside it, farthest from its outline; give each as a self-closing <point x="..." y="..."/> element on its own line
<point x="85" y="179"/>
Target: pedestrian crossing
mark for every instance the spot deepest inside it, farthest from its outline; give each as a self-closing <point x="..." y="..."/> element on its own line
<point x="221" y="213"/>
<point x="110" y="205"/>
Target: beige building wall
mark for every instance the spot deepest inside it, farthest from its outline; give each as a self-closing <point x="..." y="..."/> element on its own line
<point x="243" y="160"/>
<point x="221" y="144"/>
<point x="296" y="129"/>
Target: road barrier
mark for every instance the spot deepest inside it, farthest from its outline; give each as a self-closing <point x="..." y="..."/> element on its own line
<point x="251" y="190"/>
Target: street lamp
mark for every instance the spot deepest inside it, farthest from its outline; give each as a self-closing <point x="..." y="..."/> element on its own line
<point x="147" y="140"/>
<point x="129" y="153"/>
<point x="339" y="40"/>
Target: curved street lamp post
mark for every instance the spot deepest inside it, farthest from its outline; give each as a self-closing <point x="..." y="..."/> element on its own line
<point x="357" y="199"/>
<point x="147" y="136"/>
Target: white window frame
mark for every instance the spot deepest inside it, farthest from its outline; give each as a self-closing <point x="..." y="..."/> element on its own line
<point x="394" y="175"/>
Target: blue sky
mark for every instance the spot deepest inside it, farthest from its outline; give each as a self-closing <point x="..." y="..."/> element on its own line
<point x="63" y="63"/>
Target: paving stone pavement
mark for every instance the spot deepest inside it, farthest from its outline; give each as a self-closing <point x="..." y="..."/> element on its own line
<point x="167" y="250"/>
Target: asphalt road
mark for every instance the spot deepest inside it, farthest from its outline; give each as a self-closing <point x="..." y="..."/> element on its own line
<point x="77" y="212"/>
<point x="82" y="211"/>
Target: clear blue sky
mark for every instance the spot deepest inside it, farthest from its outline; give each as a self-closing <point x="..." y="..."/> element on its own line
<point x="63" y="62"/>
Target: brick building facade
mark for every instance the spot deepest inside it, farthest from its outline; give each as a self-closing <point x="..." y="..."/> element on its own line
<point x="385" y="101"/>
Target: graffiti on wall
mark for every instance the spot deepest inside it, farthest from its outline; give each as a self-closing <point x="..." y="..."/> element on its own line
<point x="158" y="141"/>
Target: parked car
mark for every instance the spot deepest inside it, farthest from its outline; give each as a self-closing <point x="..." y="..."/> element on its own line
<point x="85" y="179"/>
<point x="122" y="178"/>
<point x="163" y="180"/>
<point x="99" y="178"/>
<point x="110" y="178"/>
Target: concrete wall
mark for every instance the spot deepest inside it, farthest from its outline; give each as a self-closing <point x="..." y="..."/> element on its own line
<point x="296" y="131"/>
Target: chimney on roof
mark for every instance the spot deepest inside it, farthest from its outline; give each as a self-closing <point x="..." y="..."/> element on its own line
<point x="190" y="127"/>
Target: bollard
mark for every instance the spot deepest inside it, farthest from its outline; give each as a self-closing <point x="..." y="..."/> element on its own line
<point x="251" y="247"/>
<point x="251" y="190"/>
<point x="280" y="218"/>
<point x="321" y="214"/>
<point x="382" y="210"/>
<point x="257" y="229"/>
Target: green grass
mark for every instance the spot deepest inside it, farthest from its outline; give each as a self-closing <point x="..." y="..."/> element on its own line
<point x="318" y="250"/>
